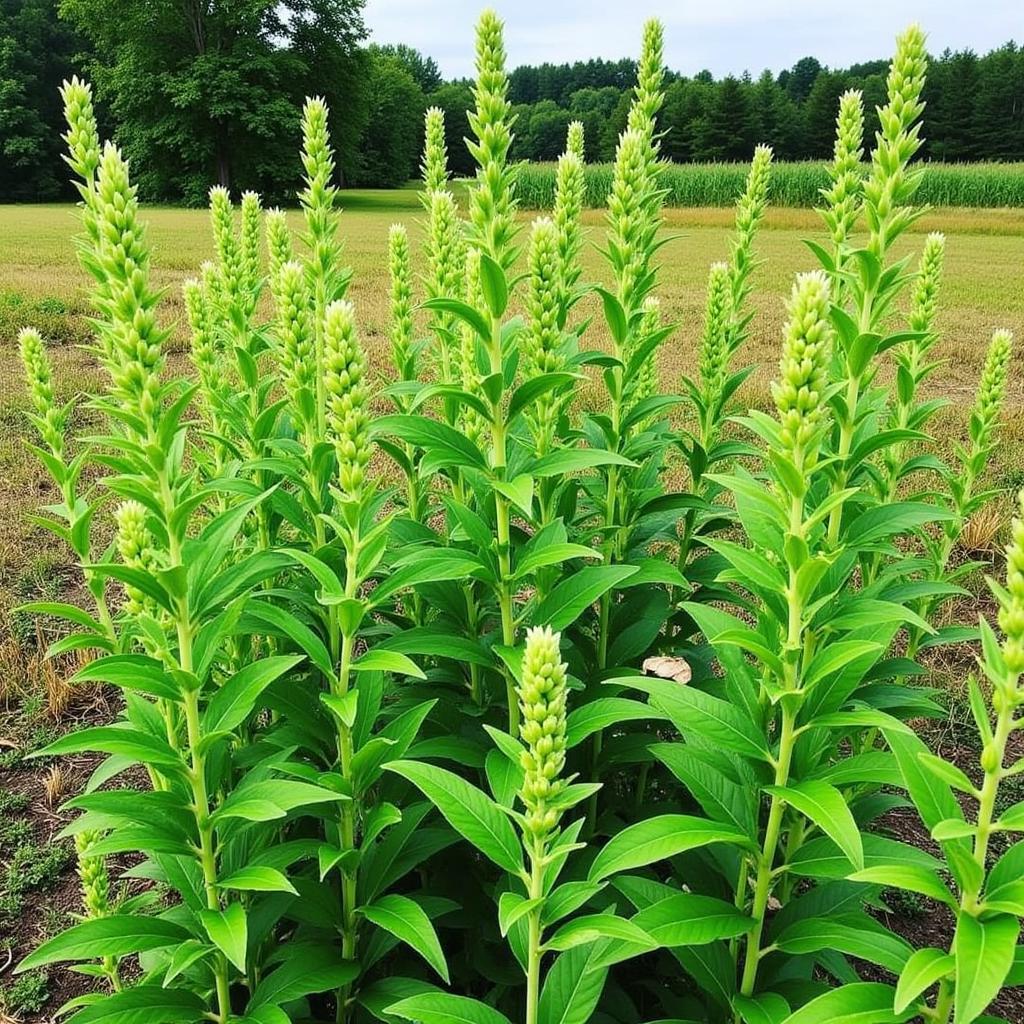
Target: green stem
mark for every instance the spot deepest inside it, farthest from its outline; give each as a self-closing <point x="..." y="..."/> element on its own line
<point x="533" y="952"/>
<point x="766" y="861"/>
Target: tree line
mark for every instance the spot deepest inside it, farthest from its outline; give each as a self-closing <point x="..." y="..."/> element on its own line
<point x="197" y="92"/>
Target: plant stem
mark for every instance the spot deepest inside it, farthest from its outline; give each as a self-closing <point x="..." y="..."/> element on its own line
<point x="533" y="953"/>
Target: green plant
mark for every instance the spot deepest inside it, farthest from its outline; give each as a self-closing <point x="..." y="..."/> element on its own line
<point x="28" y="994"/>
<point x="382" y="670"/>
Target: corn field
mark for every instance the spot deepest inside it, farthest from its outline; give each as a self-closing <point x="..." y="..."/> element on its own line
<point x="796" y="184"/>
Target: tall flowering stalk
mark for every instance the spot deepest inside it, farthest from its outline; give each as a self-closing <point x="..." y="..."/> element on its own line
<point x="844" y="195"/>
<point x="967" y="976"/>
<point x="434" y="165"/>
<point x="95" y="883"/>
<point x="888" y="192"/>
<point x="570" y="195"/>
<point x="445" y="251"/>
<point x="795" y="452"/>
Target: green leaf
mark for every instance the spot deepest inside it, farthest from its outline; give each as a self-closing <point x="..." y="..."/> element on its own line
<point x="117" y="935"/>
<point x="131" y="672"/>
<point x="984" y="952"/>
<point x="493" y="285"/>
<point x="232" y="703"/>
<point x="552" y="554"/>
<point x="408" y="922"/>
<point x="430" y="566"/>
<point x="513" y="905"/>
<point x="146" y="1004"/>
<point x="565" y="461"/>
<point x="592" y="927"/>
<point x="604" y="712"/>
<point x="306" y="969"/>
<point x="574" y="594"/>
<point x="572" y="988"/>
<point x="828" y="809"/>
<point x="860" y="1002"/>
<point x="466" y="313"/>
<point x="921" y="971"/>
<point x="518" y="490"/>
<point x="766" y="1008"/>
<point x="257" y="879"/>
<point x="228" y="931"/>
<point x="911" y="877"/>
<point x="688" y="919"/>
<point x="658" y="839"/>
<point x="854" y="936"/>
<point x="388" y="661"/>
<point x="446" y="446"/>
<point x="442" y="1008"/>
<point x="695" y="713"/>
<point x="835" y="656"/>
<point x="111" y="739"/>
<point x="473" y="814"/>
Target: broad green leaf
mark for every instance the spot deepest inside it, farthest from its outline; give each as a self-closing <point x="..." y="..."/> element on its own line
<point x="306" y="969"/>
<point x="228" y="931"/>
<point x="442" y="1008"/>
<point x="145" y="1004"/>
<point x="473" y="814"/>
<point x="573" y="460"/>
<point x="132" y="672"/>
<point x="591" y="927"/>
<point x="658" y="839"/>
<point x="388" y="661"/>
<point x="111" y="739"/>
<point x="257" y="879"/>
<point x="910" y="877"/>
<point x="862" y="1002"/>
<point x="856" y="936"/>
<point x="408" y="922"/>
<point x="232" y="703"/>
<point x="570" y="598"/>
<point x="984" y="952"/>
<point x="512" y="906"/>
<point x="687" y="919"/>
<point x="572" y="987"/>
<point x="604" y="712"/>
<point x="921" y="971"/>
<point x="117" y="935"/>
<point x="430" y="566"/>
<point x="827" y="808"/>
<point x="766" y="1008"/>
<point x="696" y="713"/>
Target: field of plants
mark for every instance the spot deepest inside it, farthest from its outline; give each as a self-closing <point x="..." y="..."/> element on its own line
<point x="449" y="644"/>
<point x="793" y="184"/>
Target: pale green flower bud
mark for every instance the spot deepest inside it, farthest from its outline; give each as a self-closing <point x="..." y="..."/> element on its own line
<point x="843" y="196"/>
<point x="39" y="377"/>
<point x="401" y="331"/>
<point x="991" y="390"/>
<point x="252" y="259"/>
<point x="648" y="96"/>
<point x="492" y="204"/>
<point x="204" y="352"/>
<point x="542" y="705"/>
<point x="750" y="210"/>
<point x="574" y="141"/>
<point x="82" y="136"/>
<point x="541" y="342"/>
<point x="570" y="194"/>
<point x="348" y="421"/>
<point x="319" y="197"/>
<point x="136" y="547"/>
<point x="279" y="242"/>
<point x="434" y="164"/>
<point x="889" y="186"/>
<point x="645" y="383"/>
<point x="714" y="342"/>
<point x="926" y="286"/>
<point x="92" y="871"/>
<point x="445" y="251"/>
<point x="296" y="343"/>
<point x="130" y="340"/>
<point x="1011" y="605"/>
<point x="229" y="253"/>
<point x="632" y="219"/>
<point x="799" y="390"/>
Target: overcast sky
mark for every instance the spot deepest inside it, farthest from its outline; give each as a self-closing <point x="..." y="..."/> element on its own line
<point x="725" y="36"/>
